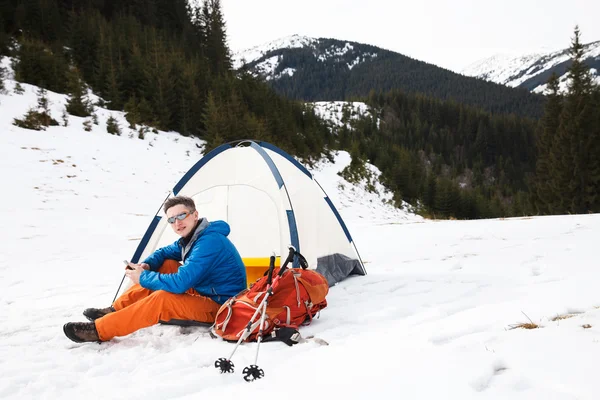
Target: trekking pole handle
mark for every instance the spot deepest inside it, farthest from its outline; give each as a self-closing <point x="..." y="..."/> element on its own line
<point x="290" y="258"/>
<point x="271" y="268"/>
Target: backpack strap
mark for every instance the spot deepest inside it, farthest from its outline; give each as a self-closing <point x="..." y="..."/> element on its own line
<point x="223" y="325"/>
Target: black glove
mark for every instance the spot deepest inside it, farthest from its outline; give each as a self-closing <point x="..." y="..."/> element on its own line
<point x="287" y="335"/>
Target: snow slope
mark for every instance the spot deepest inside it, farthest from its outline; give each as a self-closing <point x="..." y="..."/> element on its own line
<point x="333" y="111"/>
<point x="431" y="320"/>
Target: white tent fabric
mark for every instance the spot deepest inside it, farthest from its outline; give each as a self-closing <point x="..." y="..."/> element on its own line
<point x="271" y="202"/>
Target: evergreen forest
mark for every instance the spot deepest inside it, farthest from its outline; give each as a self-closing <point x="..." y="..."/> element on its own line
<point x="167" y="65"/>
<point x="164" y="62"/>
<point x="457" y="161"/>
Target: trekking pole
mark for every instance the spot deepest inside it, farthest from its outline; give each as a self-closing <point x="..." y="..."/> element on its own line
<point x="253" y="372"/>
<point x="225" y="364"/>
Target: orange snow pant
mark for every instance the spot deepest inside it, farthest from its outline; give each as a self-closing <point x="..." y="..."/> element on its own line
<point x="139" y="308"/>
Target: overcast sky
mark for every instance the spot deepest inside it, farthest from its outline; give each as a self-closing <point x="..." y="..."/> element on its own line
<point x="451" y="34"/>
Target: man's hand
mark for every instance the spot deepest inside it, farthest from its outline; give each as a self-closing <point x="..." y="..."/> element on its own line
<point x="134" y="274"/>
<point x="143" y="265"/>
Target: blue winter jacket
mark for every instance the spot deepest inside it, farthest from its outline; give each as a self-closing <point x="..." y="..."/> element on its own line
<point x="211" y="264"/>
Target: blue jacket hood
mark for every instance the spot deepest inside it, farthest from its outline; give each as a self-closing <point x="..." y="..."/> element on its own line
<point x="221" y="227"/>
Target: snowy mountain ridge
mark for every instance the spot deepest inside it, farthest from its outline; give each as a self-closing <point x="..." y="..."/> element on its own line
<point x="252" y="54"/>
<point x="532" y="71"/>
<point x="269" y="67"/>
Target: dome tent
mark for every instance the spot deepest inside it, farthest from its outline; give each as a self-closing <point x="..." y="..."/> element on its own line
<point x="271" y="202"/>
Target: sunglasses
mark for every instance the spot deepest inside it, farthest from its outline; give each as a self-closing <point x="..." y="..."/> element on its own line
<point x="179" y="217"/>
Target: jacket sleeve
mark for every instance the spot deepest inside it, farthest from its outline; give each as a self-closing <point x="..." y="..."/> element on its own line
<point x="170" y="252"/>
<point x="201" y="260"/>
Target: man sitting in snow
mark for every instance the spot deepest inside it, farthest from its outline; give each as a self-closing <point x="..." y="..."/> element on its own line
<point x="212" y="271"/>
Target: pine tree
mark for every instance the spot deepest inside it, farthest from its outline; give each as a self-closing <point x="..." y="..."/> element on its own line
<point x="215" y="123"/>
<point x="546" y="152"/>
<point x="132" y="114"/>
<point x="203" y="26"/>
<point x="575" y="136"/>
<point x="3" y="36"/>
<point x="78" y="103"/>
<point x="446" y="197"/>
<point x="112" y="79"/>
<point x="112" y="126"/>
<point x="466" y="205"/>
<point x="187" y="99"/>
<point x="593" y="190"/>
<point x="430" y="192"/>
<point x="216" y="38"/>
<point x="145" y="112"/>
<point x="199" y="26"/>
<point x="37" y="118"/>
<point x="2" y="77"/>
<point x="18" y="88"/>
<point x="159" y="82"/>
<point x="65" y="118"/>
<point x="113" y="91"/>
<point x="135" y="80"/>
<point x="237" y="115"/>
<point x="43" y="105"/>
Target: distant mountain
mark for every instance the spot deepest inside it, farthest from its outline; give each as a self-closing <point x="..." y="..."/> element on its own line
<point x="532" y="71"/>
<point x="313" y="69"/>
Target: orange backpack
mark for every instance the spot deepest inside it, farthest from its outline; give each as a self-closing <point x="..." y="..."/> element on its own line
<point x="297" y="295"/>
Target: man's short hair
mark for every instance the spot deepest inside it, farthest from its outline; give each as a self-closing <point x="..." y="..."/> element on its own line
<point x="185" y="201"/>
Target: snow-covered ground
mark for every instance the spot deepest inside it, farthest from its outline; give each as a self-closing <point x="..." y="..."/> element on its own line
<point x="333" y="111"/>
<point x="433" y="318"/>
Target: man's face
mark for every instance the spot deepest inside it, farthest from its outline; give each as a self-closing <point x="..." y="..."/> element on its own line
<point x="184" y="220"/>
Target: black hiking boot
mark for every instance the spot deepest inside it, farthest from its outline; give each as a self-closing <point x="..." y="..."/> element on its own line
<point x="93" y="314"/>
<point x="81" y="332"/>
